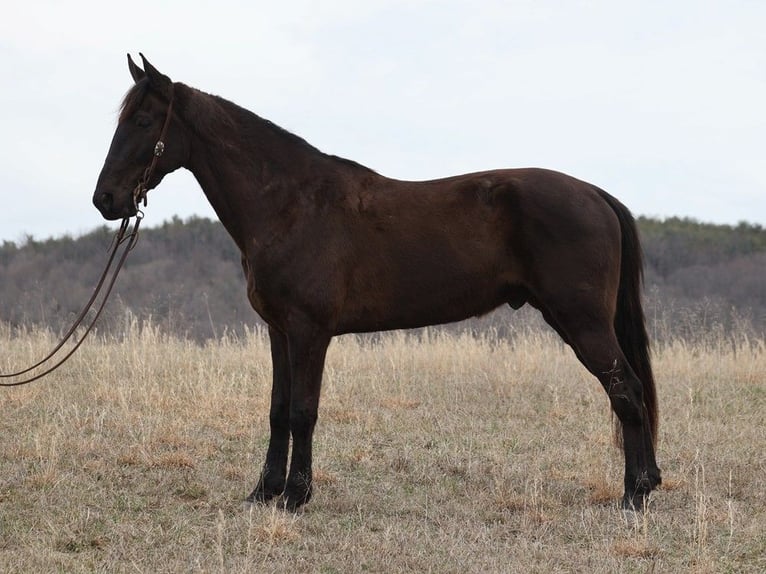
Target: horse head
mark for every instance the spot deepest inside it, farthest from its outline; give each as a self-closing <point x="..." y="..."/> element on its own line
<point x="149" y="143"/>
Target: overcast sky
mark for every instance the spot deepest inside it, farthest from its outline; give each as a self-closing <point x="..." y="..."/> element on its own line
<point x="661" y="103"/>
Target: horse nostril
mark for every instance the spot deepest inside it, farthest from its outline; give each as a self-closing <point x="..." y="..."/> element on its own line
<point x="103" y="201"/>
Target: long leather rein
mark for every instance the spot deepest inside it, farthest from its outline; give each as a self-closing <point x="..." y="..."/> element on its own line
<point x="123" y="239"/>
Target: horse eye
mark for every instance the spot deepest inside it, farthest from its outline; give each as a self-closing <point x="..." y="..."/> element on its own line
<point x="143" y="120"/>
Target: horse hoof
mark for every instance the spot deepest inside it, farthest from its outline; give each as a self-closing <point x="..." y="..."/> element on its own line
<point x="636" y="503"/>
<point x="257" y="497"/>
<point x="263" y="494"/>
<point x="637" y="499"/>
<point x="293" y="502"/>
<point x="296" y="495"/>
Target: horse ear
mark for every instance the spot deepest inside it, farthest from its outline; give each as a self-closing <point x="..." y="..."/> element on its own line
<point x="157" y="81"/>
<point x="137" y="73"/>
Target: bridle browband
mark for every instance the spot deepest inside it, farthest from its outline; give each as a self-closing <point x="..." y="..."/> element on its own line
<point x="122" y="237"/>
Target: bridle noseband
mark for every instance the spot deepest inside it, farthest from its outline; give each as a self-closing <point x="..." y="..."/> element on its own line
<point x="139" y="193"/>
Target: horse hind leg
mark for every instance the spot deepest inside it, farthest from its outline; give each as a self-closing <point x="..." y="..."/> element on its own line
<point x="591" y="335"/>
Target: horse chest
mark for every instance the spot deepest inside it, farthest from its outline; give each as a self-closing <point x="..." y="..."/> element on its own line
<point x="268" y="293"/>
<point x="254" y="296"/>
<point x="255" y="292"/>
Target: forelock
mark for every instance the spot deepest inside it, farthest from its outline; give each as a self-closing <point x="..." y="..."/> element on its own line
<point x="133" y="99"/>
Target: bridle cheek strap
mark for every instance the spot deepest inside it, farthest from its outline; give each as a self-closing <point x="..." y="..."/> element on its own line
<point x="139" y="193"/>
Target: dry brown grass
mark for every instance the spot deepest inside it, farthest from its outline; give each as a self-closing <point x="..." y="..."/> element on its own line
<point x="434" y="453"/>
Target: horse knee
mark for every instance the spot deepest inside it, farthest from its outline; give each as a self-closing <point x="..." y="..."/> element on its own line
<point x="279" y="419"/>
<point x="302" y="420"/>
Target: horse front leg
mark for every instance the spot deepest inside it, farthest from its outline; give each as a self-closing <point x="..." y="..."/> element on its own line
<point x="308" y="349"/>
<point x="273" y="475"/>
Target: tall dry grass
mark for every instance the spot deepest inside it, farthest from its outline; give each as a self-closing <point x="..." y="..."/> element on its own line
<point x="433" y="453"/>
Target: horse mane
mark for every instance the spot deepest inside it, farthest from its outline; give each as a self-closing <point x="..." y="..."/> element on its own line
<point x="211" y="113"/>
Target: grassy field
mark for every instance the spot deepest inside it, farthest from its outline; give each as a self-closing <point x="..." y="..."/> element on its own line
<point x="433" y="453"/>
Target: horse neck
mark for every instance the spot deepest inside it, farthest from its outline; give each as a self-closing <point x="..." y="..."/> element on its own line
<point x="247" y="167"/>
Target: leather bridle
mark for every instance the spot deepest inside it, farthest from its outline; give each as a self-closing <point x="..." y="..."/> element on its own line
<point x="122" y="237"/>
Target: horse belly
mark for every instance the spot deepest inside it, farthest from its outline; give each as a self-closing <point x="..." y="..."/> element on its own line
<point x="420" y="298"/>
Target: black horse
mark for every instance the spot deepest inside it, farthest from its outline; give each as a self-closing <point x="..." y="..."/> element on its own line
<point x="330" y="247"/>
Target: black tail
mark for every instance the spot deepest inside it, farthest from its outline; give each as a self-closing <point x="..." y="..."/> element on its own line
<point x="629" y="322"/>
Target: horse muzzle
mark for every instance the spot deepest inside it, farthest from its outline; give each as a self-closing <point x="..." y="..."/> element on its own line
<point x="110" y="208"/>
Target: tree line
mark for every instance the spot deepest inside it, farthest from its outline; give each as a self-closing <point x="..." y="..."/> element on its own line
<point x="186" y="277"/>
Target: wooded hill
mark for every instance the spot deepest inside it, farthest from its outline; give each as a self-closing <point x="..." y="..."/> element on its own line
<point x="186" y="277"/>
